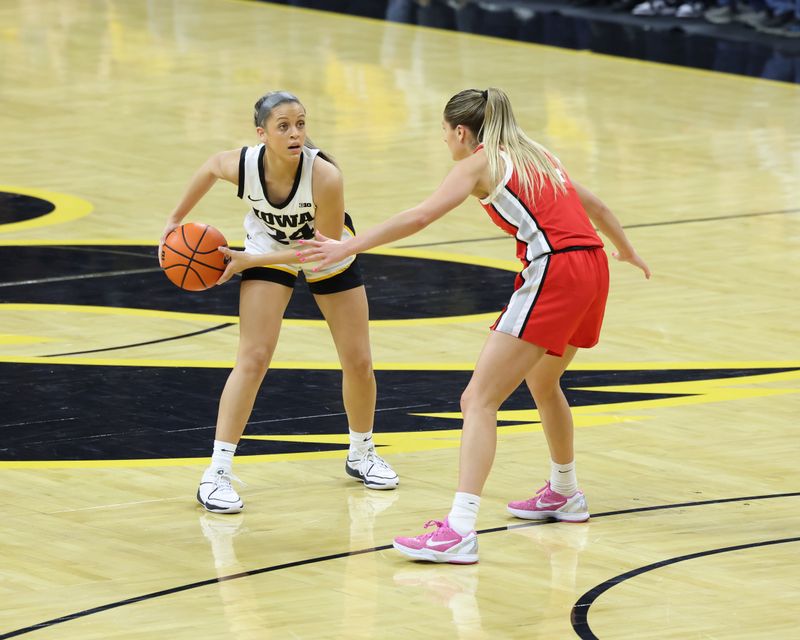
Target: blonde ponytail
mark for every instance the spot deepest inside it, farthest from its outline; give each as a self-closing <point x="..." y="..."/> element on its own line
<point x="490" y="117"/>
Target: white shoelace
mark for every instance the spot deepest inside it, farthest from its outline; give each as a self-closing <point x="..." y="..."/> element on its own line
<point x="223" y="481"/>
<point x="371" y="457"/>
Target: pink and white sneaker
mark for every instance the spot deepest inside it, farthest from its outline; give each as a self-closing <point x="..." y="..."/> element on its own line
<point x="441" y="545"/>
<point x="549" y="504"/>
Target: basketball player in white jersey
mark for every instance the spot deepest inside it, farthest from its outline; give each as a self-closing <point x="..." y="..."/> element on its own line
<point x="292" y="189"/>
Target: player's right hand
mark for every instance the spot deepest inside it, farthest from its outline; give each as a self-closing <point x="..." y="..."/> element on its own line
<point x="171" y="226"/>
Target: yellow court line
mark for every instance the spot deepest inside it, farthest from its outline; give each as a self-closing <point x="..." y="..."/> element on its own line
<point x="408" y="366"/>
<point x="82" y="242"/>
<point x="11" y="338"/>
<point x="116" y="311"/>
<point x="204" y="317"/>
<point x="691" y="386"/>
<point x="227" y="364"/>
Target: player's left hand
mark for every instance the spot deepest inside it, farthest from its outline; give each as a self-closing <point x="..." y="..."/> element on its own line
<point x="324" y="251"/>
<point x="237" y="261"/>
<point x="634" y="259"/>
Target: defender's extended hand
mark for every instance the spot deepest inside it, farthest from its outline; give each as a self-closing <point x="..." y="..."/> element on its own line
<point x="323" y="250"/>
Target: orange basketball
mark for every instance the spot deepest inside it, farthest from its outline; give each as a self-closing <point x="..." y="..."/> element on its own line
<point x="190" y="258"/>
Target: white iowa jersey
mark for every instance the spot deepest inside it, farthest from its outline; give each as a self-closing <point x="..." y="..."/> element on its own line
<point x="285" y="222"/>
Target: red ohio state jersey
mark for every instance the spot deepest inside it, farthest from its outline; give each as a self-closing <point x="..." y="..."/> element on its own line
<point x="547" y="222"/>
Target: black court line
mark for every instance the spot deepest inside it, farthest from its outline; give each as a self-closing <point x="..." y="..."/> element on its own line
<point x="112" y="249"/>
<point x="185" y="587"/>
<point x="713" y="218"/>
<point x="629" y="226"/>
<point x="83" y="276"/>
<point x="346" y="554"/>
<point x="141" y="344"/>
<point x="580" y="612"/>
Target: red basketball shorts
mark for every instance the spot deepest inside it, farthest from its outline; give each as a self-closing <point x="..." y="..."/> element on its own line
<point x="559" y="300"/>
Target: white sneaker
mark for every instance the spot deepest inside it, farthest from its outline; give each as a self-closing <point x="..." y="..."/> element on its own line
<point x="654" y="8"/>
<point x="216" y="494"/>
<point x="691" y="10"/>
<point x="720" y="15"/>
<point x="372" y="470"/>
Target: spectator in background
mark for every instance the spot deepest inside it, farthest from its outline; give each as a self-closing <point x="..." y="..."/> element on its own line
<point x="776" y="17"/>
<point x="670" y="8"/>
<point x="727" y="11"/>
<point x="785" y="19"/>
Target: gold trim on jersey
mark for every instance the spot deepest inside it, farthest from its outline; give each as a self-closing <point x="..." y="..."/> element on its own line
<point x="330" y="275"/>
<point x="287" y="269"/>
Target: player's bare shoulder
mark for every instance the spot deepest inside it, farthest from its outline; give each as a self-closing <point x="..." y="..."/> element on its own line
<point x="326" y="177"/>
<point x="225" y="165"/>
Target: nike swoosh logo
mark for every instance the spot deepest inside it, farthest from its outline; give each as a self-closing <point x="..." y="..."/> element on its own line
<point x="548" y="504"/>
<point x="255" y="199"/>
<point x="439" y="543"/>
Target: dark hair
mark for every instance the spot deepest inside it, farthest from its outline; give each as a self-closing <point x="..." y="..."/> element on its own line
<point x="266" y="103"/>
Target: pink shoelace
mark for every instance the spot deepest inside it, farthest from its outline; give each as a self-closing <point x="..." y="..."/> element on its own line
<point x="431" y="523"/>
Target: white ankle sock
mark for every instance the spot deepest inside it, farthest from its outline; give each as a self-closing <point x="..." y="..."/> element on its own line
<point x="222" y="457"/>
<point x="464" y="512"/>
<point x="360" y="443"/>
<point x="563" y="479"/>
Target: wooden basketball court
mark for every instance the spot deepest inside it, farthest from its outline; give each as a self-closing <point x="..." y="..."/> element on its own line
<point x="686" y="413"/>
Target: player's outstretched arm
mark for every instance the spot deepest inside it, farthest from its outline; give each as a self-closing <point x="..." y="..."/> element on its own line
<point x="455" y="188"/>
<point x="609" y="226"/>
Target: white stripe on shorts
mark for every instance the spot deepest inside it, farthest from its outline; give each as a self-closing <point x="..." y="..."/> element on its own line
<point x="519" y="306"/>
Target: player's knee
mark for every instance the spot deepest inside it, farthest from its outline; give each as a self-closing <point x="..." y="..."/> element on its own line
<point x="466" y="400"/>
<point x="255" y="362"/>
<point x="358" y="366"/>
<point x="544" y="389"/>
<point x="473" y="400"/>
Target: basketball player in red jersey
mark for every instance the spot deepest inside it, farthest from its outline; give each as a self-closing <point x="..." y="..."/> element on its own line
<point x="291" y="189"/>
<point x="557" y="305"/>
